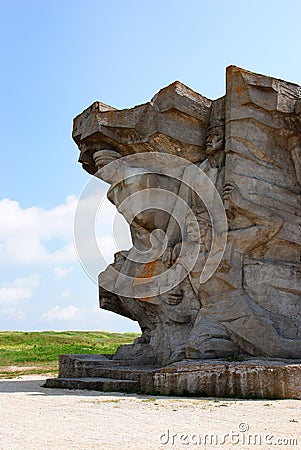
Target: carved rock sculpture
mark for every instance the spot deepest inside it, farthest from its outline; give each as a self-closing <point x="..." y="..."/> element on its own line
<point x="248" y="143"/>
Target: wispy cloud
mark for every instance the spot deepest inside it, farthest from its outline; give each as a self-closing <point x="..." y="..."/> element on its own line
<point x="9" y="295"/>
<point x="18" y="290"/>
<point x="61" y="313"/>
<point x="61" y="272"/>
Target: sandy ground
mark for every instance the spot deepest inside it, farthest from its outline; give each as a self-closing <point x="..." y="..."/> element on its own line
<point x="33" y="417"/>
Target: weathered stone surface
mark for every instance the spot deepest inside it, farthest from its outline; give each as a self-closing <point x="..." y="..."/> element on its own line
<point x="248" y="379"/>
<point x="248" y="143"/>
<point x="215" y="267"/>
<point x="253" y="378"/>
<point x="174" y="121"/>
<point x="101" y="368"/>
<point x="94" y="384"/>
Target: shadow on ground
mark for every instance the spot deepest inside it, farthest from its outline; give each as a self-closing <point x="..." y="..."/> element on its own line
<point x="35" y="387"/>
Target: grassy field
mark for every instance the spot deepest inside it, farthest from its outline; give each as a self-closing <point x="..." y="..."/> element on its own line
<point x="37" y="352"/>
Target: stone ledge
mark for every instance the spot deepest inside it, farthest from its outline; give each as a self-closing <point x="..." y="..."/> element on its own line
<point x="93" y="384"/>
<point x="252" y="378"/>
<point x="255" y="378"/>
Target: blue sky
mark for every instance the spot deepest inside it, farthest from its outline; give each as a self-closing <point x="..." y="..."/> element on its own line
<point x="57" y="57"/>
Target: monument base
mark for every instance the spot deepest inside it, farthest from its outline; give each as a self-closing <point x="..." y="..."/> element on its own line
<point x="251" y="378"/>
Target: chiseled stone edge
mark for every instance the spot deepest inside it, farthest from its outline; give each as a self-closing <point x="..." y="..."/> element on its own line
<point x="247" y="379"/>
<point x="253" y="378"/>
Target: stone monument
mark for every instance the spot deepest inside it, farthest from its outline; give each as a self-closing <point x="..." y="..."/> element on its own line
<point x="211" y="190"/>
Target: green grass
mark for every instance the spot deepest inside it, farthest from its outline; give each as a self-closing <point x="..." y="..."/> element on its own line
<point x="37" y="352"/>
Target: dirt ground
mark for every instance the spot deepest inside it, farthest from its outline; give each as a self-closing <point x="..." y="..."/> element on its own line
<point x="33" y="417"/>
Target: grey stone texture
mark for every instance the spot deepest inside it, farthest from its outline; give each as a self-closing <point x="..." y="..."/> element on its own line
<point x="252" y="378"/>
<point x="248" y="143"/>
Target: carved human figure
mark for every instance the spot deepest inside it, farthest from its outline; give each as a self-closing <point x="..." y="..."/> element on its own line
<point x="233" y="312"/>
<point x="124" y="180"/>
<point x="295" y="148"/>
<point x="213" y="165"/>
<point x="223" y="298"/>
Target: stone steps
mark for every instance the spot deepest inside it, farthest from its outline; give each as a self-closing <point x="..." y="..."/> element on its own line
<point x="116" y="373"/>
<point x="252" y="378"/>
<point x="94" y="383"/>
<point x="101" y="373"/>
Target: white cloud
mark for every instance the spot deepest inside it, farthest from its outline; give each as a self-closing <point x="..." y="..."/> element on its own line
<point x="87" y="318"/>
<point x="41" y="222"/>
<point x="39" y="236"/>
<point x="17" y="292"/>
<point x="62" y="314"/>
<point x="31" y="281"/>
<point x="61" y="272"/>
<point x="45" y="237"/>
<point x="27" y="233"/>
<point x="9" y="295"/>
<point x="100" y="231"/>
<point x="111" y="230"/>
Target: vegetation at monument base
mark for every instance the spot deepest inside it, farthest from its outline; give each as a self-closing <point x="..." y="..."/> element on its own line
<point x="37" y="352"/>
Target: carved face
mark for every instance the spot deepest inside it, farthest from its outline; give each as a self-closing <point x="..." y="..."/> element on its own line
<point x="104" y="157"/>
<point x="141" y="199"/>
<point x="214" y="143"/>
<point x="193" y="232"/>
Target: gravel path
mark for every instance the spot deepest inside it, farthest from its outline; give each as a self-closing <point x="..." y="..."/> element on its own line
<point x="33" y="417"/>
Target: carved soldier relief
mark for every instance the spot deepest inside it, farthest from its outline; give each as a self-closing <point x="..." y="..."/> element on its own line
<point x="211" y="191"/>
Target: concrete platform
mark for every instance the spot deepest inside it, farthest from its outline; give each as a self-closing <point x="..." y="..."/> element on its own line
<point x="95" y="384"/>
<point x="252" y="378"/>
